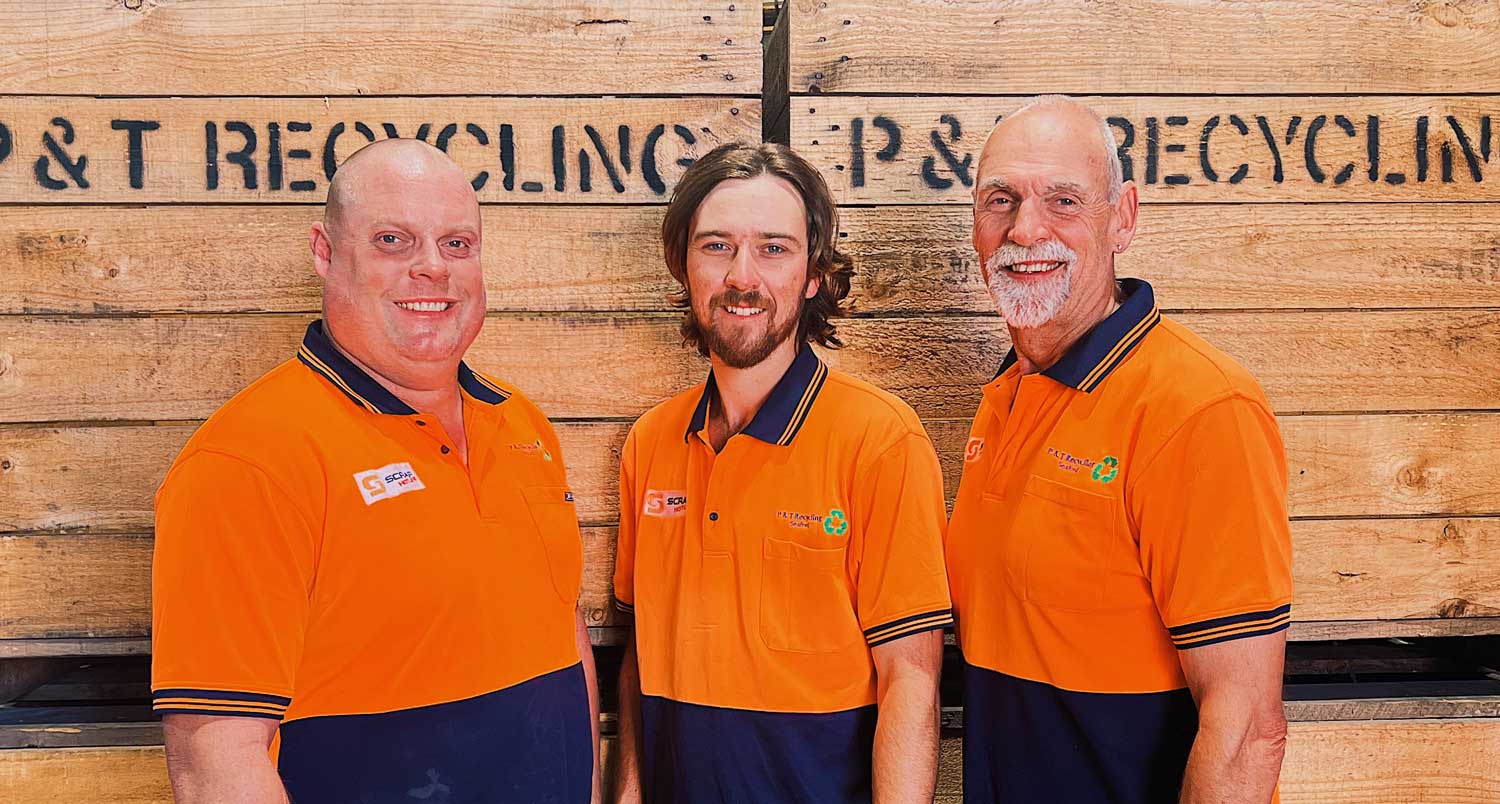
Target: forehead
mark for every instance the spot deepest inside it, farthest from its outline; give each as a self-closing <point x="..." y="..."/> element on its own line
<point x="424" y="201"/>
<point x="764" y="203"/>
<point x="1044" y="147"/>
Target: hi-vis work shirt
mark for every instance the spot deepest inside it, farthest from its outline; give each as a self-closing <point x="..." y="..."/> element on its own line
<point x="324" y="558"/>
<point x="761" y="577"/>
<point x="1125" y="504"/>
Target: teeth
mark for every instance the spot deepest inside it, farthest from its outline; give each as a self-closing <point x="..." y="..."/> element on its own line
<point x="745" y="310"/>
<point x="1035" y="267"/>
<point x="424" y="307"/>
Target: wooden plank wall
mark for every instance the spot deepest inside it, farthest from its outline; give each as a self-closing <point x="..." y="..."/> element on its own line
<point x="1319" y="182"/>
<point x="160" y="164"/>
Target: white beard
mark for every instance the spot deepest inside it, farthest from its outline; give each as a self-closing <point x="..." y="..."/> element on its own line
<point x="1030" y="304"/>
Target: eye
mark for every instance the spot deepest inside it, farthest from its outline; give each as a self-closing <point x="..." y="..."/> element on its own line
<point x="1067" y="202"/>
<point x="716" y="246"/>
<point x="457" y="244"/>
<point x="776" y="248"/>
<point x="999" y="201"/>
<point x="389" y="239"/>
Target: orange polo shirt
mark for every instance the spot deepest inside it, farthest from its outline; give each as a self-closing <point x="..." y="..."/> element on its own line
<point x="1125" y="504"/>
<point x="761" y="577"/>
<point x="324" y="558"/>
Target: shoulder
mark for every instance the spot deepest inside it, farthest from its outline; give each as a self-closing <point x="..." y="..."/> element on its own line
<point x="1183" y="374"/>
<point x="670" y="416"/>
<point x="856" y="401"/>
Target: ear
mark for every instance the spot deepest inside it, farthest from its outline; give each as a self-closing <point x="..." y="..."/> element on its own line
<point x="813" y="286"/>
<point x="1125" y="216"/>
<point x="322" y="249"/>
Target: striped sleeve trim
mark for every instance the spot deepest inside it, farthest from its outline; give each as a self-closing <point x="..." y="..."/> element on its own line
<point x="1235" y="626"/>
<point x="182" y="701"/>
<point x="623" y="607"/>
<point x="906" y="626"/>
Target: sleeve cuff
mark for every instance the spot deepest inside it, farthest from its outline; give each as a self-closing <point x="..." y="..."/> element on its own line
<point x="906" y="626"/>
<point x="1235" y="626"/>
<point x="181" y="701"/>
<point x="623" y="607"/>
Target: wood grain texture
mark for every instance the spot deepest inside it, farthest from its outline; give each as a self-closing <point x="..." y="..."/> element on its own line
<point x="70" y="478"/>
<point x="183" y="368"/>
<point x="908" y="260"/>
<point x="1008" y="48"/>
<point x="133" y="775"/>
<point x="925" y="150"/>
<point x="518" y="149"/>
<point x="1386" y="574"/>
<point x="1392" y="762"/>
<point x="380" y="47"/>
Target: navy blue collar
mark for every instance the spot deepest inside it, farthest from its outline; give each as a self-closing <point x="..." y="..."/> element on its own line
<point x="319" y="354"/>
<point x="1097" y="353"/>
<point x="785" y="410"/>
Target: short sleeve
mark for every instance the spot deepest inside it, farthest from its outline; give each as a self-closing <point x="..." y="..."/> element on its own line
<point x="625" y="540"/>
<point x="230" y="585"/>
<point x="898" y="519"/>
<point x="1210" y="508"/>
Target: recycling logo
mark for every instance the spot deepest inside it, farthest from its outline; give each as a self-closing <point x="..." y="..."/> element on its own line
<point x="835" y="524"/>
<point x="546" y="454"/>
<point x="1105" y="470"/>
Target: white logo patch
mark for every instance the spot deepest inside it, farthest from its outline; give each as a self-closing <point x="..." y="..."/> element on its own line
<point x="391" y="480"/>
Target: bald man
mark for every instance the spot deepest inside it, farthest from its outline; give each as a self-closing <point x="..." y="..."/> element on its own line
<point x="1119" y="553"/>
<point x="370" y="559"/>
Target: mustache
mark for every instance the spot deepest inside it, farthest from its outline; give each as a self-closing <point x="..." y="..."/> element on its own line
<point x="1052" y="251"/>
<point x="740" y="298"/>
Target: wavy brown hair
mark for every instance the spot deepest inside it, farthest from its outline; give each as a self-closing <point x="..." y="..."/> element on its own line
<point x="825" y="262"/>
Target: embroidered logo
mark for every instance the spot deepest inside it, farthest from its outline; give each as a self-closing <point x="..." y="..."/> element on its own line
<point x="391" y="480"/>
<point x="1105" y="470"/>
<point x="973" y="450"/>
<point x="835" y="524"/>
<point x="665" y="504"/>
<point x="532" y="448"/>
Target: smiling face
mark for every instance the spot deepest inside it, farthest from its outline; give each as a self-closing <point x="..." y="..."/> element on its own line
<point x="1045" y="226"/>
<point x="403" y="289"/>
<point x="747" y="268"/>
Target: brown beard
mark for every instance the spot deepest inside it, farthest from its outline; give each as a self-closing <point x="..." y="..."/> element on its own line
<point x="746" y="353"/>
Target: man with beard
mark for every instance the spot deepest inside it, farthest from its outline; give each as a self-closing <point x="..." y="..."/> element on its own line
<point x="781" y="526"/>
<point x="1119" y="550"/>
<point x="371" y="553"/>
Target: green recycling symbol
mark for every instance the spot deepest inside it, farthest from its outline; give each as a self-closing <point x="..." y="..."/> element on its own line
<point x="1105" y="470"/>
<point x="835" y="524"/>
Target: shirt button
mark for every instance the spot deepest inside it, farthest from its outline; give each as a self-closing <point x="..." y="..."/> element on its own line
<point x="421" y="423"/>
<point x="446" y="450"/>
<point x="713" y="516"/>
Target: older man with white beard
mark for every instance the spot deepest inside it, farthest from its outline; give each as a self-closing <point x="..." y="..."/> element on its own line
<point x="1119" y="554"/>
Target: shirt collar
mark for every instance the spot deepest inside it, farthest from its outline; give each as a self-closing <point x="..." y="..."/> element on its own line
<point x="1104" y="347"/>
<point x="319" y="354"/>
<point x="781" y="417"/>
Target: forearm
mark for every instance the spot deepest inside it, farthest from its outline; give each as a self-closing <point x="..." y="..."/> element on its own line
<point x="906" y="740"/>
<point x="591" y="679"/>
<point x="1234" y="763"/>
<point x="627" y="754"/>
<point x="206" y="766"/>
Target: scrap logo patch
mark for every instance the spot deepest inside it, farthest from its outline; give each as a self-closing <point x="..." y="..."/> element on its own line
<point x="973" y="450"/>
<point x="391" y="480"/>
<point x="665" y="504"/>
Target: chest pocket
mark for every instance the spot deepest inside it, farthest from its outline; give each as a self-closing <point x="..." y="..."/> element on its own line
<point x="804" y="599"/>
<point x="556" y="519"/>
<point x="1066" y="536"/>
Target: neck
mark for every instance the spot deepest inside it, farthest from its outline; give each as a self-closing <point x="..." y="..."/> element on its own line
<point x="440" y="396"/>
<point x="1039" y="348"/>
<point x="742" y="391"/>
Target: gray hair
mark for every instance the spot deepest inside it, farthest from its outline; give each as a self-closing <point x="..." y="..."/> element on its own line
<point x="1106" y="133"/>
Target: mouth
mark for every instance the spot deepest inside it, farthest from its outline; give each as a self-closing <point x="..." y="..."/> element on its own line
<point x="743" y="312"/>
<point x="1036" y="267"/>
<point x="426" y="305"/>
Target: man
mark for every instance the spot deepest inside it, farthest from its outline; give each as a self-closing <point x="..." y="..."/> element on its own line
<point x="780" y="526"/>
<point x="1119" y="549"/>
<point x="373" y="547"/>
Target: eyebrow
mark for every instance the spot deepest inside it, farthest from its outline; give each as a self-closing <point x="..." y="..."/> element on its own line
<point x="1004" y="186"/>
<point x="762" y="235"/>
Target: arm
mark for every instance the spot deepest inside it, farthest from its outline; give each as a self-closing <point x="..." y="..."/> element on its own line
<point x="591" y="678"/>
<point x="627" y="779"/>
<point x="1236" y="758"/>
<point x="906" y="732"/>
<point x="221" y="760"/>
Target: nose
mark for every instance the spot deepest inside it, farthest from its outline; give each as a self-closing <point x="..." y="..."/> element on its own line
<point x="428" y="263"/>
<point x="742" y="274"/>
<point x="1029" y="227"/>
